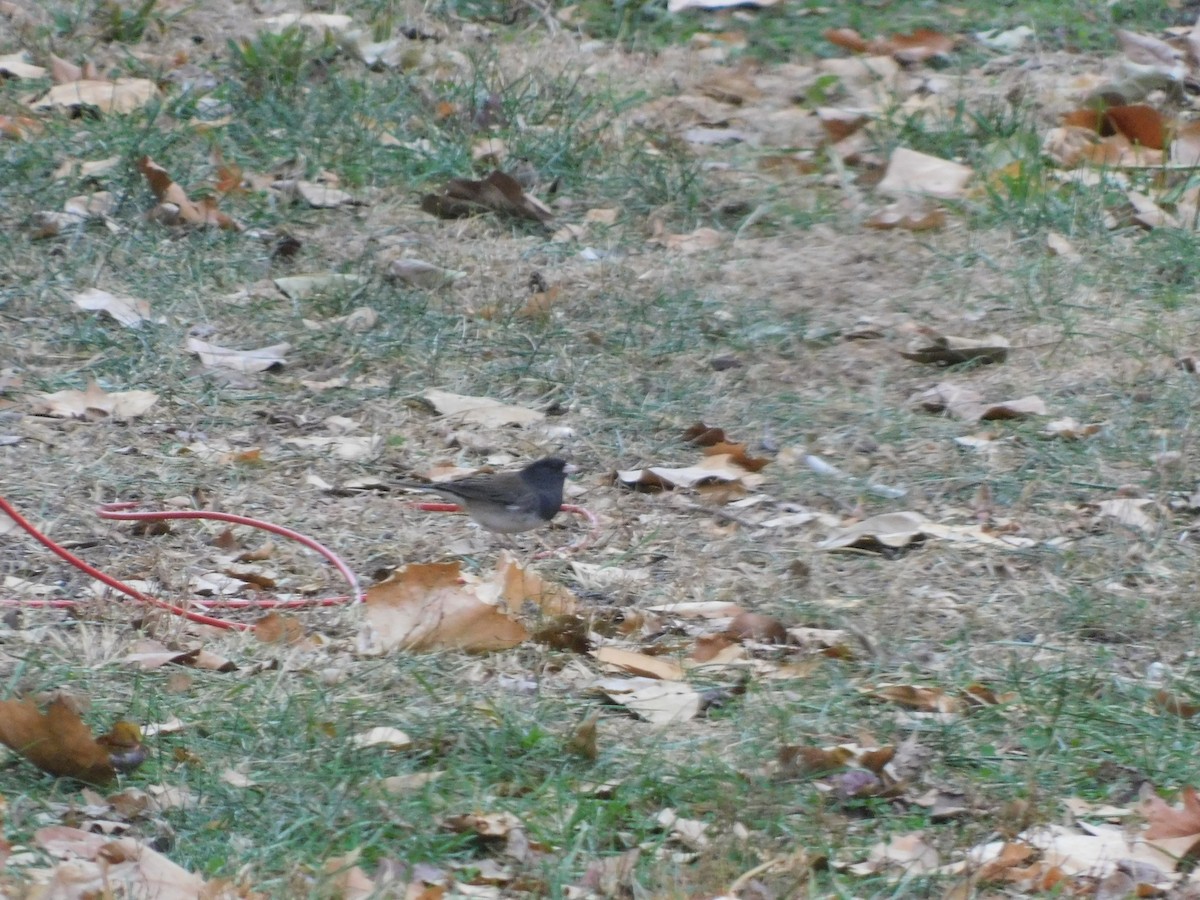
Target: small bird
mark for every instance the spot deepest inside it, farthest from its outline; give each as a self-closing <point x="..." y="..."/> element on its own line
<point x="508" y="502"/>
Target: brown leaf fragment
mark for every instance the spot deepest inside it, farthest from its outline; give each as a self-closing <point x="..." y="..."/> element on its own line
<point x="498" y="192"/>
<point x="611" y="876"/>
<point x="582" y="741"/>
<point x="277" y="628"/>
<point x="1168" y="702"/>
<point x="639" y="663"/>
<point x="703" y="435"/>
<point x="757" y="627"/>
<point x="920" y="45"/>
<point x="737" y="455"/>
<point x="919" y="698"/>
<point x="796" y="761"/>
<point x="949" y="350"/>
<point x="909" y="213"/>
<point x="1168" y="821"/>
<point x="174" y="205"/>
<point x="1139" y="123"/>
<point x="1152" y="52"/>
<point x="910" y="172"/>
<point x="430" y="606"/>
<point x="1068" y="429"/>
<point x="123" y="95"/>
<point x="95" y="403"/>
<point x="1014" y="409"/>
<point x="59" y="743"/>
<point x="847" y="39"/>
<point x="261" y="359"/>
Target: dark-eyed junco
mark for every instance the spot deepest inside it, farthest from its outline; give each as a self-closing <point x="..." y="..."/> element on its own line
<point x="508" y="502"/>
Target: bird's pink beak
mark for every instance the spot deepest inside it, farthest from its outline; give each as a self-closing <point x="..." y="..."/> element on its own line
<point x="570" y="469"/>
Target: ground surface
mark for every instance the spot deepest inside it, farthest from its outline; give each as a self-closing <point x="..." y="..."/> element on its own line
<point x="686" y="276"/>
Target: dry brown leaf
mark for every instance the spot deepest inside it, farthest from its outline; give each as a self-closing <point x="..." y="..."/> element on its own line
<point x="95" y="865"/>
<point x="966" y="404"/>
<point x="919" y="698"/>
<point x="841" y="123"/>
<point x="639" y="663"/>
<point x="909" y="213"/>
<point x="429" y="606"/>
<point x="17" y="128"/>
<point x="95" y="403"/>
<point x="63" y="70"/>
<point x="1185" y="145"/>
<point x="487" y="825"/>
<point x="704" y="435"/>
<point x="480" y="410"/>
<point x="920" y="45"/>
<point x="738" y="455"/>
<point x="1059" y="246"/>
<point x="1014" y="409"/>
<point x="128" y="311"/>
<point x="601" y="216"/>
<point x="1168" y="821"/>
<point x="1069" y="429"/>
<point x="515" y="586"/>
<point x="910" y="172"/>
<point x="719" y="469"/>
<point x="947" y="349"/>
<point x="383" y="736"/>
<point x="1150" y="51"/>
<point x="1169" y="702"/>
<point x="498" y="192"/>
<point x="279" y="628"/>
<point x="1140" y="124"/>
<point x="658" y="702"/>
<point x="419" y="273"/>
<point x="757" y="627"/>
<point x="907" y="852"/>
<point x="716" y="649"/>
<point x="259" y="360"/>
<point x="174" y="205"/>
<point x="702" y="240"/>
<point x="59" y="743"/>
<point x="889" y="530"/>
<point x="318" y="195"/>
<point x="151" y="654"/>
<point x="301" y="287"/>
<point x="583" y="740"/>
<point x="17" y="65"/>
<point x="1128" y="511"/>
<point x="124" y="95"/>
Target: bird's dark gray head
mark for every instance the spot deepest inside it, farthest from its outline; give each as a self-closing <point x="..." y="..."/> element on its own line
<point x="551" y="466"/>
<point x="546" y="476"/>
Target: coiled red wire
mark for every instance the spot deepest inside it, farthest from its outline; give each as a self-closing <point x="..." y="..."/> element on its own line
<point x="126" y="512"/>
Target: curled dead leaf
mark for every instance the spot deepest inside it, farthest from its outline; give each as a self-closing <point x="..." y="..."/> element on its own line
<point x="498" y="192"/>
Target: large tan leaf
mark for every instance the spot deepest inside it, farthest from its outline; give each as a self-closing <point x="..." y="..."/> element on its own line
<point x="480" y="410"/>
<point x="910" y="172"/>
<point x="658" y="702"/>
<point x="123" y="95"/>
<point x="129" y="311"/>
<point x="97" y="866"/>
<point x="95" y="403"/>
<point x="429" y="606"/>
<point x="239" y="360"/>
